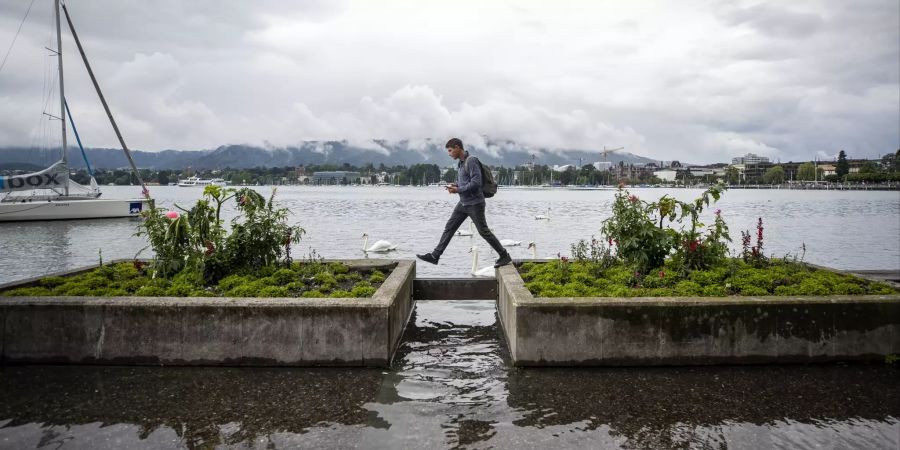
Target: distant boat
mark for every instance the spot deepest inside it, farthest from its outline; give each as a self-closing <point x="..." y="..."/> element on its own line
<point x="195" y="181"/>
<point x="49" y="194"/>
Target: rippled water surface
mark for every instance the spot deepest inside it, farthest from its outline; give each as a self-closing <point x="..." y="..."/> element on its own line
<point x="841" y="229"/>
<point x="450" y="387"/>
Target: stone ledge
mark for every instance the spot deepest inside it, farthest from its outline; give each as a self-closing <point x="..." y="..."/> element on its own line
<point x="210" y="331"/>
<point x="648" y="331"/>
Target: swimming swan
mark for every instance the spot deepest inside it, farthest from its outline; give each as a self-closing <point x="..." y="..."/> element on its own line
<point x="533" y="248"/>
<point x="466" y="233"/>
<point x="510" y="243"/>
<point x="488" y="271"/>
<point x="378" y="247"/>
<point x="543" y="217"/>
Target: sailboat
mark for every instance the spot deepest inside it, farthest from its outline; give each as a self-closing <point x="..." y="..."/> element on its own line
<point x="49" y="194"/>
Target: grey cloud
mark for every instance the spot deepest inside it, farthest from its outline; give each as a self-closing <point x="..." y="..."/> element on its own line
<point x="672" y="81"/>
<point x="774" y="20"/>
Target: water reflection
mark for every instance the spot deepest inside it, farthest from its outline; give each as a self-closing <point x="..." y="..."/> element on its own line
<point x="451" y="387"/>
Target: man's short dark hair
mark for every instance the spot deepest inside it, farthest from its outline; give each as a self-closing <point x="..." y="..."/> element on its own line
<point x="454" y="143"/>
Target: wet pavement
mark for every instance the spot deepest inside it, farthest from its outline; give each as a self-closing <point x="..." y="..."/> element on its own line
<point x="451" y="387"/>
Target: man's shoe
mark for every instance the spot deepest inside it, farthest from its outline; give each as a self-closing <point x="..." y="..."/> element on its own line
<point x="428" y="257"/>
<point x="504" y="260"/>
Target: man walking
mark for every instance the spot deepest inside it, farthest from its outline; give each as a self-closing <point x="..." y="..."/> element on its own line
<point x="471" y="205"/>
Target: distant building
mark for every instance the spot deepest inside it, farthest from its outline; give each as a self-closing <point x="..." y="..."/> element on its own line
<point x="749" y="158"/>
<point x="603" y="165"/>
<point x="666" y="174"/>
<point x="337" y="177"/>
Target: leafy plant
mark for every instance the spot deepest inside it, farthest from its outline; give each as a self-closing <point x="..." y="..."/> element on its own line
<point x="639" y="240"/>
<point x="598" y="256"/>
<point x="643" y="239"/>
<point x="754" y="255"/>
<point x="197" y="241"/>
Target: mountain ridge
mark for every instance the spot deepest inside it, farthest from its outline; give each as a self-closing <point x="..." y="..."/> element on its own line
<point x="376" y="152"/>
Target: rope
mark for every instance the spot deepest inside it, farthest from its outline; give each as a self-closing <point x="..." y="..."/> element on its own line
<point x="16" y="36"/>
<point x="78" y="138"/>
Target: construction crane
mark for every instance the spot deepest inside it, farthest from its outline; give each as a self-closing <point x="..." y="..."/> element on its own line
<point x="607" y="151"/>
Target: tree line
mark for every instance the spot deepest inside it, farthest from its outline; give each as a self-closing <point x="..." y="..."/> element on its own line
<point x="423" y="174"/>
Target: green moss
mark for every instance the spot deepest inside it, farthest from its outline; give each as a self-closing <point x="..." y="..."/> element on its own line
<point x="180" y="289"/>
<point x="150" y="291"/>
<point x="232" y="281"/>
<point x="299" y="279"/>
<point x="34" y="291"/>
<point x="284" y="276"/>
<point x="734" y="277"/>
<point x="362" y="291"/>
<point x="324" y="278"/>
<point x="714" y="291"/>
<point x="272" y="291"/>
<point x="688" y="289"/>
<point x="52" y="282"/>
<point x="336" y="267"/>
<point x="114" y="292"/>
<point x="376" y="277"/>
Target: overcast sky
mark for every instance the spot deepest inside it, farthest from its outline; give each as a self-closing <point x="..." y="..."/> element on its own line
<point x="701" y="81"/>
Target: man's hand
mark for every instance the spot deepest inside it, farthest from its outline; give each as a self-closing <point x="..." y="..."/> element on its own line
<point x="452" y="189"/>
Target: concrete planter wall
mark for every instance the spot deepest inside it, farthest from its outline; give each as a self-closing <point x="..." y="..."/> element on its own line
<point x="693" y="330"/>
<point x="211" y="331"/>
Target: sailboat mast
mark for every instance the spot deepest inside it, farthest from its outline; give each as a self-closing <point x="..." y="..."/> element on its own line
<point x="62" y="95"/>
<point x="112" y="121"/>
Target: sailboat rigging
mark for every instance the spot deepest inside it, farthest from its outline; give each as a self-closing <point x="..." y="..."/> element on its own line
<point x="50" y="194"/>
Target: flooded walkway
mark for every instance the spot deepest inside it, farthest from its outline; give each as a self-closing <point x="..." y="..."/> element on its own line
<point x="451" y="387"/>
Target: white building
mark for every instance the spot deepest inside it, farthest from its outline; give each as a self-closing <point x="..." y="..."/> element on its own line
<point x="749" y="158"/>
<point x="666" y="174"/>
<point x="603" y="165"/>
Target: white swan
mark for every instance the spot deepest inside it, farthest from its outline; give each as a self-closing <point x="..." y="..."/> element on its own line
<point x="467" y="233"/>
<point x="542" y="216"/>
<point x="510" y="243"/>
<point x="488" y="271"/>
<point x="533" y="248"/>
<point x="378" y="247"/>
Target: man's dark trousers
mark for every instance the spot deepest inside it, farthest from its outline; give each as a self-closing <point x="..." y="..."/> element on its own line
<point x="476" y="213"/>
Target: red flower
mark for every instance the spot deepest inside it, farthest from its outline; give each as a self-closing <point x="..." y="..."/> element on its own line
<point x="692" y="245"/>
<point x="209" y="248"/>
<point x="662" y="273"/>
<point x="632" y="198"/>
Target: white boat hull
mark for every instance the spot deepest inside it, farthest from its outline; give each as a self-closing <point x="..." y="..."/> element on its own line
<point x="72" y="209"/>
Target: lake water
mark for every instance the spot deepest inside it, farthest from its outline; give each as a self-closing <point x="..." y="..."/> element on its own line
<point x="841" y="229"/>
<point x="451" y="385"/>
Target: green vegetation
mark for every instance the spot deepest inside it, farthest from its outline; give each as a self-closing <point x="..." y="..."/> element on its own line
<point x="195" y="256"/>
<point x="195" y="243"/>
<point x="662" y="249"/>
<point x="297" y="279"/>
<point x="781" y="277"/>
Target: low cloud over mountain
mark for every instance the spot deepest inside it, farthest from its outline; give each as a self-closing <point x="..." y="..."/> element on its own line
<point x="405" y="152"/>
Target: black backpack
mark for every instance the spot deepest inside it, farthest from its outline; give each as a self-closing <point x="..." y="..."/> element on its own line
<point x="488" y="184"/>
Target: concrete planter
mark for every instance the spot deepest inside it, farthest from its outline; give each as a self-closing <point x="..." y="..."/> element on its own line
<point x="645" y="331"/>
<point x="211" y="331"/>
